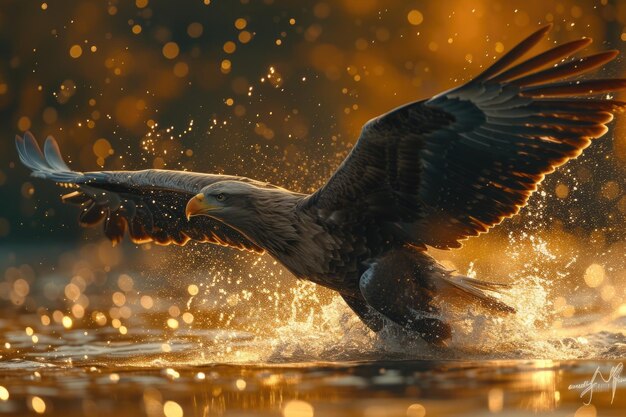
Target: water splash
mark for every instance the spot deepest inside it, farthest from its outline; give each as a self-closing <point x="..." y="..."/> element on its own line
<point x="537" y="330"/>
<point x="220" y="306"/>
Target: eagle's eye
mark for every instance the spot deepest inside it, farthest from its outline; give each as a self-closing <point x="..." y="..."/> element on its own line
<point x="220" y="197"/>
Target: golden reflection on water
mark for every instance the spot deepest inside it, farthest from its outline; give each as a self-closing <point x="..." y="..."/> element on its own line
<point x="214" y="343"/>
<point x="543" y="382"/>
<point x="414" y="389"/>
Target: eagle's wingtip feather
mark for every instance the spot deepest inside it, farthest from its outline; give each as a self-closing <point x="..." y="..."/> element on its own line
<point x="53" y="155"/>
<point x="46" y="164"/>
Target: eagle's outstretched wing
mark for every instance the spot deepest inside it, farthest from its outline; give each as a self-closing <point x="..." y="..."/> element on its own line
<point x="457" y="164"/>
<point x="149" y="204"/>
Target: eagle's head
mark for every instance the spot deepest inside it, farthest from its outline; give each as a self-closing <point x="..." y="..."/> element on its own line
<point x="225" y="200"/>
<point x="258" y="210"/>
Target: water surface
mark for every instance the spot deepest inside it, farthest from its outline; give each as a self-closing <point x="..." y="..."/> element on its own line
<point x="96" y="330"/>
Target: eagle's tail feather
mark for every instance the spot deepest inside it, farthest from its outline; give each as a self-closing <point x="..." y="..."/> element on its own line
<point x="473" y="289"/>
<point x="483" y="285"/>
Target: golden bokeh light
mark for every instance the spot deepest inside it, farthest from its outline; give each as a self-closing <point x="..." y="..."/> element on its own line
<point x="193" y="289"/>
<point x="416" y="410"/>
<point x="38" y="405"/>
<point x="172" y="409"/>
<point x="415" y="17"/>
<point x="195" y="29"/>
<point x="181" y="69"/>
<point x="241" y="23"/>
<point x="226" y="66"/>
<point x="4" y="393"/>
<point x="76" y="51"/>
<point x="244" y="36"/>
<point x="594" y="275"/>
<point x="102" y="149"/>
<point x="229" y="47"/>
<point x="23" y="123"/>
<point x="170" y="50"/>
<point x="298" y="408"/>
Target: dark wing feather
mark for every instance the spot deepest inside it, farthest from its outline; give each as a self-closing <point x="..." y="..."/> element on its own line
<point x="455" y="165"/>
<point x="149" y="204"/>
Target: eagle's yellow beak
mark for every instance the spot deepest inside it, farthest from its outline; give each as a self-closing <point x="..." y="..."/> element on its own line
<point x="196" y="206"/>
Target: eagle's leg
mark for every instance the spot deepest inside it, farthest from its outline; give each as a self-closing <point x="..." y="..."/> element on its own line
<point x="367" y="314"/>
<point x="399" y="285"/>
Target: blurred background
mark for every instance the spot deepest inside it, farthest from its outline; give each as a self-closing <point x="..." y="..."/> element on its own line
<point x="275" y="90"/>
<point x="278" y="91"/>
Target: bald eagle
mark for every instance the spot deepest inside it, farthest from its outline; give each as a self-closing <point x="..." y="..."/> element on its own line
<point x="429" y="173"/>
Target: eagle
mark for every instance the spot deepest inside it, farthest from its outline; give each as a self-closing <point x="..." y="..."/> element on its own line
<point x="430" y="173"/>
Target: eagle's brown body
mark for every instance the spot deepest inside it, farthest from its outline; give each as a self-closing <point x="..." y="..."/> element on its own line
<point x="430" y="173"/>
